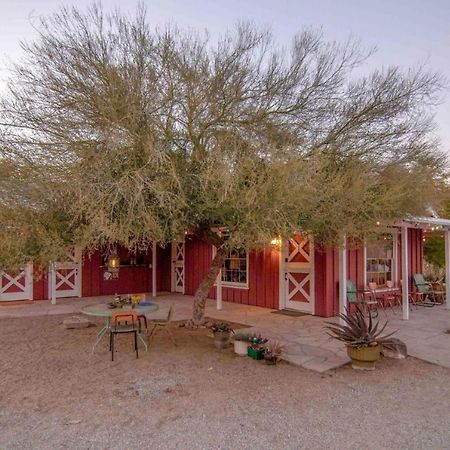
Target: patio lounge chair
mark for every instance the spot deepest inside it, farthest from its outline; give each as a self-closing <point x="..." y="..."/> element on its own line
<point x="165" y="324"/>
<point x="425" y="290"/>
<point x="121" y="323"/>
<point x="359" y="297"/>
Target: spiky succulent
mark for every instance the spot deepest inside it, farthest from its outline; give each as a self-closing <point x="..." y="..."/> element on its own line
<point x="357" y="332"/>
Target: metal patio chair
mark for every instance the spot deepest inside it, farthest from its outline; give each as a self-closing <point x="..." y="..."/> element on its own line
<point x="425" y="290"/>
<point x="123" y="323"/>
<point x="359" y="297"/>
<point x="165" y="324"/>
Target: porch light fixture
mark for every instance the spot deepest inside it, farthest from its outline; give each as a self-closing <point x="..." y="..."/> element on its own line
<point x="114" y="264"/>
<point x="276" y="242"/>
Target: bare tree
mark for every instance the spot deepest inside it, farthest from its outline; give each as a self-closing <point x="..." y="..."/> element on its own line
<point x="148" y="133"/>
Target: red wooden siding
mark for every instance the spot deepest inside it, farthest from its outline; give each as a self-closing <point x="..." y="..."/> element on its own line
<point x="263" y="275"/>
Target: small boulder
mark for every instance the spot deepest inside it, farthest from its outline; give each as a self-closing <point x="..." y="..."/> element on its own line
<point x="395" y="349"/>
<point x="76" y="322"/>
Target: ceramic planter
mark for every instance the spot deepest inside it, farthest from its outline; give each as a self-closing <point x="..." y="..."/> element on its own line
<point x="255" y="353"/>
<point x="364" y="358"/>
<point x="221" y="339"/>
<point x="240" y="347"/>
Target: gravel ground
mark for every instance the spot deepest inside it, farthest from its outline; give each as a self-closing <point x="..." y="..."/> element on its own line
<point x="54" y="394"/>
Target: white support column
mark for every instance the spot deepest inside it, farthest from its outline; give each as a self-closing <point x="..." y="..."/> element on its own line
<point x="154" y="249"/>
<point x="343" y="276"/>
<point x="53" y="283"/>
<point x="447" y="268"/>
<point x="219" y="291"/>
<point x="405" y="274"/>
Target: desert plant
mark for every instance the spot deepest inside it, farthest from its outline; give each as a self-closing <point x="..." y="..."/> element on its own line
<point x="257" y="341"/>
<point x="356" y="332"/>
<point x="217" y="327"/>
<point x="273" y="352"/>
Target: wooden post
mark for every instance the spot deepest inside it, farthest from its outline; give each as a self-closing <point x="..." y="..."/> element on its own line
<point x="219" y="291"/>
<point x="343" y="276"/>
<point x="53" y="283"/>
<point x="154" y="249"/>
<point x="405" y="274"/>
<point x="447" y="268"/>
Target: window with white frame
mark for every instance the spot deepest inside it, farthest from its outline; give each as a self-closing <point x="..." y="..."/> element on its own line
<point x="235" y="268"/>
<point x="380" y="263"/>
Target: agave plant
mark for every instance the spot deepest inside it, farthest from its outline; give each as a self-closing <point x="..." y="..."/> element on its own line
<point x="357" y="332"/>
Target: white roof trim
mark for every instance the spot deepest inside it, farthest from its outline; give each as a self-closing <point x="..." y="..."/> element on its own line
<point x="425" y="222"/>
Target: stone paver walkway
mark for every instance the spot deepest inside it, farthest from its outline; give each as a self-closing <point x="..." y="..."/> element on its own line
<point x="304" y="338"/>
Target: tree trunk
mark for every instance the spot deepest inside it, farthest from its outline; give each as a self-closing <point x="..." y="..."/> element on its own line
<point x="198" y="312"/>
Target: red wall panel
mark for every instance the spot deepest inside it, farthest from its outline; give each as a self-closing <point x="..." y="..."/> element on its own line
<point x="263" y="289"/>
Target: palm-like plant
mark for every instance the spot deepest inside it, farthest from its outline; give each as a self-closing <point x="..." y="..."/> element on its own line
<point x="357" y="332"/>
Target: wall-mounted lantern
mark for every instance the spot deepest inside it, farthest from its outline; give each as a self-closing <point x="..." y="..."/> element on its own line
<point x="276" y="242"/>
<point x="114" y="264"/>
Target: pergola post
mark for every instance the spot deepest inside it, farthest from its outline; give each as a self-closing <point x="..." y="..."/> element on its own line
<point x="343" y="277"/>
<point x="447" y="268"/>
<point x="154" y="248"/>
<point x="405" y="274"/>
<point x="219" y="291"/>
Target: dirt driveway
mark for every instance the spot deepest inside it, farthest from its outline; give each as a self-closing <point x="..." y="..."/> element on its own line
<point x="54" y="394"/>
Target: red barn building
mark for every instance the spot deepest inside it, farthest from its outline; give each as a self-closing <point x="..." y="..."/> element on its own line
<point x="292" y="275"/>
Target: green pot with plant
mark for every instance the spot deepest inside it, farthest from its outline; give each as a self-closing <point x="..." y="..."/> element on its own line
<point x="222" y="332"/>
<point x="241" y="343"/>
<point x="362" y="337"/>
<point x="272" y="353"/>
<point x="256" y="348"/>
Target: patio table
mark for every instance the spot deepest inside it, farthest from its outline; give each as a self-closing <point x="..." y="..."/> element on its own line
<point x="102" y="310"/>
<point x="383" y="294"/>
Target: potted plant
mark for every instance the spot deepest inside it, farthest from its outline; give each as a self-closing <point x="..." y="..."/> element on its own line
<point x="241" y="343"/>
<point x="222" y="333"/>
<point x="363" y="339"/>
<point x="256" y="348"/>
<point x="272" y="353"/>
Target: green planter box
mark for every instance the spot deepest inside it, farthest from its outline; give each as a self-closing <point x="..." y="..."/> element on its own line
<point x="255" y="354"/>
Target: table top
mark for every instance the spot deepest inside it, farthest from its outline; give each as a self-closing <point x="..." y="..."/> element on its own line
<point x="102" y="310"/>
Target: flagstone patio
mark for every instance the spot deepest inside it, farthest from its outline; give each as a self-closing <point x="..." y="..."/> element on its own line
<point x="305" y="341"/>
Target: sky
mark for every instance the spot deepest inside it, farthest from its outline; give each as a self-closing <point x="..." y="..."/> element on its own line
<point x="405" y="32"/>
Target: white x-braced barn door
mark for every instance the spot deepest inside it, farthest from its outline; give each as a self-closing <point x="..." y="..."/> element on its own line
<point x="16" y="285"/>
<point x="178" y="267"/>
<point x="65" y="276"/>
<point x="297" y="276"/>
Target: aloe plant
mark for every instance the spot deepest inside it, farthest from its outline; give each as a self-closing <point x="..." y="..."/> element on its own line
<point x="357" y="332"/>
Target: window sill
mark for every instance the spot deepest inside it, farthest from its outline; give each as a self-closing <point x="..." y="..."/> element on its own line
<point x="233" y="285"/>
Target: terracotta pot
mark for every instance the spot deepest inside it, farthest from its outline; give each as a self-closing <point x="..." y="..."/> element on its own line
<point x="221" y="339"/>
<point x="240" y="347"/>
<point x="364" y="358"/>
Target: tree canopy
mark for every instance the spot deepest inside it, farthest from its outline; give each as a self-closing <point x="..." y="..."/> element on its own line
<point x="114" y="131"/>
